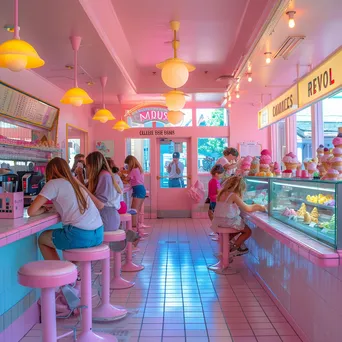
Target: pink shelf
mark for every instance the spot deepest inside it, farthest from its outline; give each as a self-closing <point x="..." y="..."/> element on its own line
<point x="313" y="250"/>
<point x="13" y="230"/>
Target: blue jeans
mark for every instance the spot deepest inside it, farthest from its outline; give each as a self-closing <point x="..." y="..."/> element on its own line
<point x="176" y="183"/>
<point x="70" y="237"/>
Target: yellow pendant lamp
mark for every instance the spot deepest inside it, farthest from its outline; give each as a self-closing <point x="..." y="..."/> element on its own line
<point x="175" y="71"/>
<point x="121" y="125"/>
<point x="175" y="99"/>
<point x="76" y="96"/>
<point x="175" y="117"/>
<point x="16" y="54"/>
<point x="103" y="115"/>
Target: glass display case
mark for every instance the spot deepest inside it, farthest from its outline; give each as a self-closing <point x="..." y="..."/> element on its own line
<point x="257" y="190"/>
<point x="309" y="206"/>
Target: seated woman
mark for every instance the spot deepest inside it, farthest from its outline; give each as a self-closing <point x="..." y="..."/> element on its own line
<point x="229" y="160"/>
<point x="82" y="223"/>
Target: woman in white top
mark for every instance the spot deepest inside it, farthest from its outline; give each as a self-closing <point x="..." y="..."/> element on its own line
<point x="229" y="160"/>
<point x="82" y="224"/>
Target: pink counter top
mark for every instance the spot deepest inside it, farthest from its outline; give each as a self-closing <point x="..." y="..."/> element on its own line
<point x="320" y="254"/>
<point x="15" y="229"/>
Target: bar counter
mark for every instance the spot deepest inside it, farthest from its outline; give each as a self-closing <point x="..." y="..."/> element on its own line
<point x="18" y="246"/>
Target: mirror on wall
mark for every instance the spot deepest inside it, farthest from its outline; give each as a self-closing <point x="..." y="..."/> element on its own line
<point x="77" y="142"/>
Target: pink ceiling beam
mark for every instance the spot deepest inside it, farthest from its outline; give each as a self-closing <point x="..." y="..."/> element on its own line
<point x="107" y="25"/>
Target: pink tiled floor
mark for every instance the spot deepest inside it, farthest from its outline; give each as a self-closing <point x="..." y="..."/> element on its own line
<point x="177" y="299"/>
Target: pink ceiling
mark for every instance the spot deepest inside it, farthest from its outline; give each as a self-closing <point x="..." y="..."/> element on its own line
<point x="125" y="39"/>
<point x="47" y="25"/>
<point x="320" y="22"/>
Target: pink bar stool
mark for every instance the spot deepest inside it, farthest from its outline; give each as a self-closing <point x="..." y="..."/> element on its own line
<point x="47" y="275"/>
<point x="142" y="226"/>
<point x="85" y="256"/>
<point x="223" y="267"/>
<point x="129" y="266"/>
<point x="117" y="282"/>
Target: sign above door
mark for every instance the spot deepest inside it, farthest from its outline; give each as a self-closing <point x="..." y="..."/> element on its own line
<point x="152" y="112"/>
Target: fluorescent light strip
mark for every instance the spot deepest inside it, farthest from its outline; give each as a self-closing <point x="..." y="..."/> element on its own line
<point x="256" y="181"/>
<point x="305" y="187"/>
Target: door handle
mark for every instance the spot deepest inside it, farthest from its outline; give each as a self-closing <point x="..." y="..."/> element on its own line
<point x="158" y="177"/>
<point x="188" y="177"/>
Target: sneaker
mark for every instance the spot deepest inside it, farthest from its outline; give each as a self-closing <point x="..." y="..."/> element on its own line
<point x="215" y="238"/>
<point x="242" y="251"/>
<point x="237" y="251"/>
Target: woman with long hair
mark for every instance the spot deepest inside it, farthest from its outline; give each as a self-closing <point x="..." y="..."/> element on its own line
<point x="82" y="224"/>
<point x="78" y="169"/>
<point x="136" y="180"/>
<point x="103" y="185"/>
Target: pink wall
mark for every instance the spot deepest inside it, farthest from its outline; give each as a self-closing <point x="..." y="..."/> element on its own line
<point x="35" y="85"/>
<point x="244" y="126"/>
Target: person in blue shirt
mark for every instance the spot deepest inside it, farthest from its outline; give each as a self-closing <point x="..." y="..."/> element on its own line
<point x="175" y="170"/>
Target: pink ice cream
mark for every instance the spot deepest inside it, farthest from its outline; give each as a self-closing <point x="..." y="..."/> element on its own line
<point x="337" y="142"/>
<point x="290" y="158"/>
<point x="265" y="152"/>
<point x="337" y="152"/>
<point x="276" y="168"/>
<point x="265" y="159"/>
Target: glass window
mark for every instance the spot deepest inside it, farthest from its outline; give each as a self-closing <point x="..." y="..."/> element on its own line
<point x="304" y="134"/>
<point x="209" y="150"/>
<point x="212" y="117"/>
<point x="140" y="149"/>
<point x="281" y="134"/>
<point x="332" y="118"/>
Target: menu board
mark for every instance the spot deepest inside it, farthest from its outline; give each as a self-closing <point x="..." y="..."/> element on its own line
<point x="20" y="106"/>
<point x="252" y="149"/>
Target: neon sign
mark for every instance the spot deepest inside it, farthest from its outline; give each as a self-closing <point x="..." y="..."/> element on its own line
<point x="148" y="113"/>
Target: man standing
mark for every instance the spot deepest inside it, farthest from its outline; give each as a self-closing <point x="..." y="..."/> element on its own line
<point x="175" y="170"/>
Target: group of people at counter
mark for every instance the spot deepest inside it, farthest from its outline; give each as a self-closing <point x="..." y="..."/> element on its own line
<point x="89" y="200"/>
<point x="225" y="198"/>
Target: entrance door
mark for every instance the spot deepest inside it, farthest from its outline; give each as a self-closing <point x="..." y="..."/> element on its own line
<point x="172" y="197"/>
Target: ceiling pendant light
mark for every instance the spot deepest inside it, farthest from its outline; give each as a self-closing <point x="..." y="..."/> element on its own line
<point x="103" y="115"/>
<point x="121" y="125"/>
<point x="291" y="15"/>
<point x="16" y="54"/>
<point x="268" y="57"/>
<point x="175" y="71"/>
<point x="175" y="99"/>
<point x="175" y="117"/>
<point x="76" y="96"/>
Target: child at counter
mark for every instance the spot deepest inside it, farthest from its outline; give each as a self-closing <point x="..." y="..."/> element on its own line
<point x="136" y="180"/>
<point x="103" y="185"/>
<point x="214" y="186"/>
<point x="227" y="212"/>
<point x="82" y="223"/>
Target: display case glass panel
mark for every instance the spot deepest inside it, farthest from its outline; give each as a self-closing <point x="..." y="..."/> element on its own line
<point x="307" y="205"/>
<point x="256" y="191"/>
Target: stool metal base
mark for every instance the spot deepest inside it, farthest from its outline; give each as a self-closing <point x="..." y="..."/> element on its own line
<point x="90" y="336"/>
<point x="132" y="267"/>
<point x="121" y="284"/>
<point x="108" y="313"/>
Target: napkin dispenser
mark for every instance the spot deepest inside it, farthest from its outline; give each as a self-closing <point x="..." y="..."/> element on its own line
<point x="11" y="205"/>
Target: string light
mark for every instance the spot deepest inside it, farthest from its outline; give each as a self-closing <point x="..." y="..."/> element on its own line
<point x="291" y="15"/>
<point x="268" y="57"/>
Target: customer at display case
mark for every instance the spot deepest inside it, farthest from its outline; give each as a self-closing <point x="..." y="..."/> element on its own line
<point x="229" y="160"/>
<point x="227" y="212"/>
<point x="175" y="170"/>
<point x="103" y="185"/>
<point x="82" y="223"/>
<point x="136" y="180"/>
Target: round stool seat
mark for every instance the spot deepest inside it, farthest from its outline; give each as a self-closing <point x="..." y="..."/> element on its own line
<point x="47" y="274"/>
<point x="87" y="254"/>
<point x="118" y="235"/>
<point x="125" y="217"/>
<point x="222" y="230"/>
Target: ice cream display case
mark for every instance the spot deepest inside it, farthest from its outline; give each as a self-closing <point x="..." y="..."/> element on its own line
<point x="257" y="190"/>
<point x="312" y="207"/>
